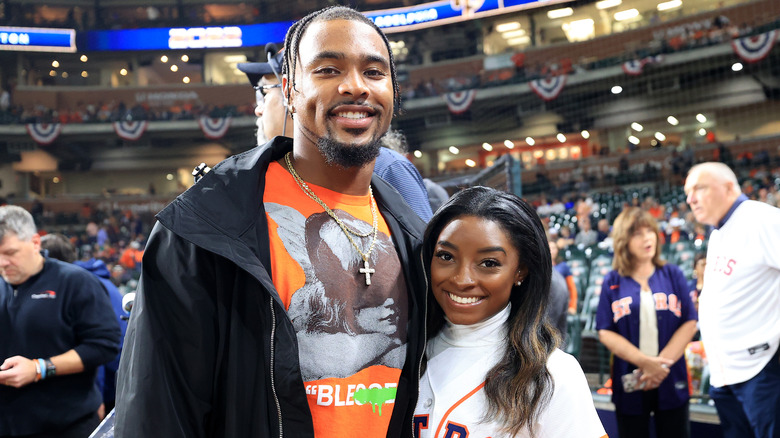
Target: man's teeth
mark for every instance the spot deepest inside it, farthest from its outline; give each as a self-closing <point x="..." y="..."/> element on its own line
<point x="464" y="300"/>
<point x="352" y="115"/>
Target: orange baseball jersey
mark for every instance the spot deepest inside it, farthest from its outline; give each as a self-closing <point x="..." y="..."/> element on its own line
<point x="351" y="335"/>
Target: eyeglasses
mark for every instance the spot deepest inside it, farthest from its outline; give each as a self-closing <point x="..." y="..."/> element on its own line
<point x="262" y="90"/>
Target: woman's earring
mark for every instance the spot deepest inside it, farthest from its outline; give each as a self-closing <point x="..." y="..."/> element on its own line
<point x="519" y="282"/>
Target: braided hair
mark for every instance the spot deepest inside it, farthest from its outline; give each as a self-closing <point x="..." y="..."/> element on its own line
<point x="292" y="43"/>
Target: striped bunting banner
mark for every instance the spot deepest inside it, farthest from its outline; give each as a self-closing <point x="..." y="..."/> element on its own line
<point x="44" y="133"/>
<point x="214" y="128"/>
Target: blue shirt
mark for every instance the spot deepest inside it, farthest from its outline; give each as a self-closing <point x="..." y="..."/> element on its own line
<point x="618" y="311"/>
<point x="400" y="173"/>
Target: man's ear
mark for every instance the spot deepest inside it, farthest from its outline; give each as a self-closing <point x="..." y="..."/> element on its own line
<point x="36" y="240"/>
<point x="286" y="92"/>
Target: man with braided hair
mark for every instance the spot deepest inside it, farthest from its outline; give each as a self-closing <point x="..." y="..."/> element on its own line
<point x="283" y="294"/>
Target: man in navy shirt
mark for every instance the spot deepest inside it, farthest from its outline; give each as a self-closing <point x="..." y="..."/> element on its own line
<point x="58" y="327"/>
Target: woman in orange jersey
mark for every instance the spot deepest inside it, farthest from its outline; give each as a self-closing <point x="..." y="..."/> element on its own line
<point x="493" y="366"/>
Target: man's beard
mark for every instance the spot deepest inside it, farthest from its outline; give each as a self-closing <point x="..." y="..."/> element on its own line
<point x="349" y="155"/>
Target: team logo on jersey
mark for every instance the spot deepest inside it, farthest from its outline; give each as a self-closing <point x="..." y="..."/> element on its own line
<point x="48" y="295"/>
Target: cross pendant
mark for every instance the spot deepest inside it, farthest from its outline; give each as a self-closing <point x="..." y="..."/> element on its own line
<point x="368" y="271"/>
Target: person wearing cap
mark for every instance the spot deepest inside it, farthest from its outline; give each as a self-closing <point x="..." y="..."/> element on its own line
<point x="283" y="294"/>
<point x="273" y="118"/>
<point x="266" y="80"/>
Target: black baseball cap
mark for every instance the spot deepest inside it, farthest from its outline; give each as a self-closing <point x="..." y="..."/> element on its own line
<point x="256" y="70"/>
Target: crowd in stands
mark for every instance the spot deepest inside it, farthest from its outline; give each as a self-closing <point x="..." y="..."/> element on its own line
<point x="116" y="238"/>
<point x="721" y="30"/>
<point x="105" y="112"/>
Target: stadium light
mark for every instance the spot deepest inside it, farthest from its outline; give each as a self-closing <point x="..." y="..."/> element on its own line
<point x="454" y="150"/>
<point x="163" y="59"/>
<point x="701" y="118"/>
<point x="517" y="41"/>
<point x="585" y="134"/>
<point x="506" y="27"/>
<point x="418" y="154"/>
<point x="84" y="58"/>
<point x="702" y="132"/>
<point x="509" y="144"/>
<point x="665" y="6"/>
<point x="487" y="147"/>
<point x="530" y="141"/>
<point x="660" y="136"/>
<point x="637" y="127"/>
<point x="579" y="30"/>
<point x="673" y="120"/>
<point x="737" y="66"/>
<point x="561" y="138"/>
<point x="628" y="14"/>
<point x="617" y="89"/>
<point x="513" y="34"/>
<point x="606" y="4"/>
<point x="55" y="63"/>
<point x="471" y="163"/>
<point x="634" y="140"/>
<point x="559" y="13"/>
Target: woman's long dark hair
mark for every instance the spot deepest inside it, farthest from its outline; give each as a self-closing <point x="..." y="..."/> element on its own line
<point x="519" y="386"/>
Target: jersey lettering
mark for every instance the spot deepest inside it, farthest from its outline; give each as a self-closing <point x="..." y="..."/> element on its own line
<point x="420" y="422"/>
<point x="667" y="302"/>
<point x="674" y="305"/>
<point x="660" y="301"/>
<point x="722" y="265"/>
<point x="620" y="308"/>
<point x="455" y="430"/>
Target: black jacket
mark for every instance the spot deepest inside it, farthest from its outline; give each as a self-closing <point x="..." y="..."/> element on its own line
<point x="210" y="351"/>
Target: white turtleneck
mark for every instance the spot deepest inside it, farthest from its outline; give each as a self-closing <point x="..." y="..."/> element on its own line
<point x="452" y="397"/>
<point x="485" y="334"/>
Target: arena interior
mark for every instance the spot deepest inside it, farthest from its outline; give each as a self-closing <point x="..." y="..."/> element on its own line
<point x="581" y="107"/>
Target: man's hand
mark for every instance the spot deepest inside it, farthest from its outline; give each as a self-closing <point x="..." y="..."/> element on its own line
<point x="654" y="371"/>
<point x="17" y="371"/>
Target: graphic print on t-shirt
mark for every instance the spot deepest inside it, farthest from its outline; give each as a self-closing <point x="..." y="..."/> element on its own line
<point x="335" y="311"/>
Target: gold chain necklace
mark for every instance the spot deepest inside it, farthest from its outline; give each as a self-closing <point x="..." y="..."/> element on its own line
<point x="366" y="270"/>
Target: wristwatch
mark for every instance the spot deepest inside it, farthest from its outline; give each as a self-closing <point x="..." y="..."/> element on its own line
<point x="51" y="370"/>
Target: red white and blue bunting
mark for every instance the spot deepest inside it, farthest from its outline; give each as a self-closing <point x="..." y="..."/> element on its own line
<point x="549" y="88"/>
<point x="755" y="48"/>
<point x="44" y="133"/>
<point x="635" y="67"/>
<point x="132" y="130"/>
<point x="460" y="101"/>
<point x="214" y="128"/>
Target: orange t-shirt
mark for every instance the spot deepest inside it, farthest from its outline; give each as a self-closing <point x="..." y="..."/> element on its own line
<point x="351" y="336"/>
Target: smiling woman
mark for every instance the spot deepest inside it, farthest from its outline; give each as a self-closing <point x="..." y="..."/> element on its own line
<point x="493" y="364"/>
